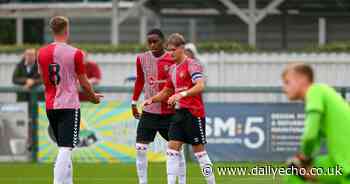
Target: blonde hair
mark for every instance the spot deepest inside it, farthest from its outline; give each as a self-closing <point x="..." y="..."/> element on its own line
<point x="176" y="39"/>
<point x="58" y="24"/>
<point x="300" y="68"/>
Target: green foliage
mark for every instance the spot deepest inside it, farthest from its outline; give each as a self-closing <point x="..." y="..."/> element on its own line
<point x="136" y="48"/>
<point x="224" y="46"/>
<point x="230" y="47"/>
<point x="331" y="47"/>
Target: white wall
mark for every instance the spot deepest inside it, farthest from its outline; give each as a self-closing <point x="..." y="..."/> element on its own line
<point x="223" y="69"/>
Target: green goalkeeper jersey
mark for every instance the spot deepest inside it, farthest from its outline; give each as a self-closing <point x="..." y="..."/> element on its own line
<point x="328" y="118"/>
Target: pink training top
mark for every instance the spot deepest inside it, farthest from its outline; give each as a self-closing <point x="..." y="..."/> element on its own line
<point x="59" y="65"/>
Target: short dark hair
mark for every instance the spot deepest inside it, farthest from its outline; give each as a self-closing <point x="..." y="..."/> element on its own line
<point x="58" y="24"/>
<point x="300" y="68"/>
<point x="156" y="31"/>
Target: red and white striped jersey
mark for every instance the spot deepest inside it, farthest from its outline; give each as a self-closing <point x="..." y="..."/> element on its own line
<point x="152" y="74"/>
<point x="59" y="65"/>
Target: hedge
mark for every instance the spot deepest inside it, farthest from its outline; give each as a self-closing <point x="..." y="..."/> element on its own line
<point x="331" y="47"/>
<point x="202" y="47"/>
<point x="135" y="48"/>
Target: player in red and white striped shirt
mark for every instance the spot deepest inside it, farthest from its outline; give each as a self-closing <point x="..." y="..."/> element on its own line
<point x="152" y="74"/>
<point x="185" y="86"/>
<point x="61" y="68"/>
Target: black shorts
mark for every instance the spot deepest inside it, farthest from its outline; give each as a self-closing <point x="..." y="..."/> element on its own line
<point x="65" y="124"/>
<point x="187" y="128"/>
<point x="150" y="124"/>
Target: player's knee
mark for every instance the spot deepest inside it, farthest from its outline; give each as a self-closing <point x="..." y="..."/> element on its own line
<point x="141" y="147"/>
<point x="198" y="148"/>
<point x="175" y="145"/>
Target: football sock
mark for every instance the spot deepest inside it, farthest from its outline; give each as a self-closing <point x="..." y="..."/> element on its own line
<point x="182" y="168"/>
<point x="69" y="178"/>
<point x="62" y="163"/>
<point x="173" y="163"/>
<point x="141" y="162"/>
<point x="206" y="166"/>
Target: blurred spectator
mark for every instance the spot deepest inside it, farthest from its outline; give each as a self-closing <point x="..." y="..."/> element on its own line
<point x="26" y="74"/>
<point x="191" y="51"/>
<point x="93" y="73"/>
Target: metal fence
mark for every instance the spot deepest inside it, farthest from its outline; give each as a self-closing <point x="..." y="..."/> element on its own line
<point x="223" y="69"/>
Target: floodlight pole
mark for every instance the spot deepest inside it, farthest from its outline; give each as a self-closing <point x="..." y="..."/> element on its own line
<point x="192" y="28"/>
<point x="322" y="31"/>
<point x="19" y="30"/>
<point x="143" y="28"/>
<point x="252" y="23"/>
<point x="115" y="23"/>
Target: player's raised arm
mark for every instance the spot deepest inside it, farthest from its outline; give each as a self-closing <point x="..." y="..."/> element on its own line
<point x="138" y="87"/>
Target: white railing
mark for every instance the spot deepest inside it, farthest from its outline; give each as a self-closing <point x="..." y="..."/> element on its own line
<point x="223" y="69"/>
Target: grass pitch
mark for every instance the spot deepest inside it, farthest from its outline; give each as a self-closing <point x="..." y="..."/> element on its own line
<point x="33" y="173"/>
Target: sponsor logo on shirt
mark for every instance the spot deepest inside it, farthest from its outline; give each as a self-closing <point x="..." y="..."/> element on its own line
<point x="152" y="81"/>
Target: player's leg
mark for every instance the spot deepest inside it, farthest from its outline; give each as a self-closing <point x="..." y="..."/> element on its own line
<point x="195" y="131"/>
<point x="164" y="132"/>
<point x="176" y="139"/>
<point x="53" y="122"/>
<point x="182" y="168"/>
<point x="173" y="160"/>
<point x="67" y="139"/>
<point x="204" y="162"/>
<point x="145" y="134"/>
<point x="69" y="178"/>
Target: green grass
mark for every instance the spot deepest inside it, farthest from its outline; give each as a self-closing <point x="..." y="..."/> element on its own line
<point x="29" y="173"/>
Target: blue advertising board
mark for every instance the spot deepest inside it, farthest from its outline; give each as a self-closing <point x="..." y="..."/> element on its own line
<point x="253" y="131"/>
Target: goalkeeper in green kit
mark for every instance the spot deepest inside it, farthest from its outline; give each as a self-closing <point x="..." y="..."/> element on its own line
<point x="328" y="121"/>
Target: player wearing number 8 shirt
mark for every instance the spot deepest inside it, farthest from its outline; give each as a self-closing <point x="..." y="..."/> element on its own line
<point x="62" y="68"/>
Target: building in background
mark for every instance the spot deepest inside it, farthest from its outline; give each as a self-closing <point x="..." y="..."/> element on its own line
<point x="276" y="24"/>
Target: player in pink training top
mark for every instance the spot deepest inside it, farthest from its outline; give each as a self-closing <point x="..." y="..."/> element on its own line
<point x="184" y="87"/>
<point x="61" y="68"/>
<point x="152" y="74"/>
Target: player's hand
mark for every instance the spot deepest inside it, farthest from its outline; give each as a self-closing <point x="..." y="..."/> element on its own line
<point x="174" y="98"/>
<point x="97" y="98"/>
<point x="300" y="161"/>
<point x="146" y="102"/>
<point x="309" y="175"/>
<point x="135" y="111"/>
